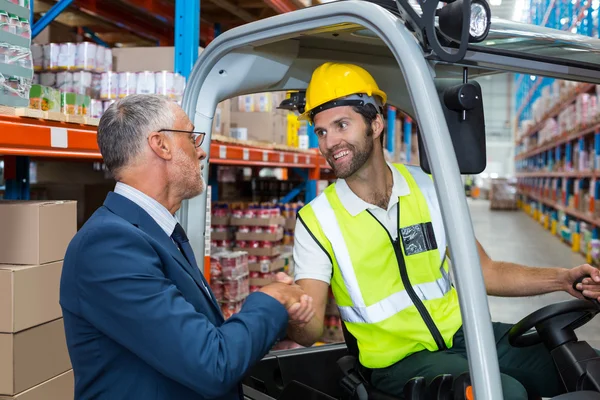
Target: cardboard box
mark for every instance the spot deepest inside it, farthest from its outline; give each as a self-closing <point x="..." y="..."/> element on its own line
<point x="260" y="281"/>
<point x="29" y="296"/>
<point x="32" y="356"/>
<point x="221" y="235"/>
<point x="222" y="119"/>
<point x="290" y="224"/>
<point x="61" y="387"/>
<point x="36" y="232"/>
<point x="257" y="221"/>
<point x="267" y="267"/>
<point x="268" y="127"/>
<point x="265" y="237"/>
<point x="261" y="252"/>
<point x="223" y="221"/>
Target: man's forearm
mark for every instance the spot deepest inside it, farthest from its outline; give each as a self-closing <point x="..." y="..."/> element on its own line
<point x="509" y="279"/>
<point x="308" y="334"/>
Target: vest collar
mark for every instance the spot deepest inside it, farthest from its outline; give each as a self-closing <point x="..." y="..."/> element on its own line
<point x="355" y="205"/>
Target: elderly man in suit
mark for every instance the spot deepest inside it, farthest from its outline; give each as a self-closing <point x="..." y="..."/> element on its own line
<point x="140" y="319"/>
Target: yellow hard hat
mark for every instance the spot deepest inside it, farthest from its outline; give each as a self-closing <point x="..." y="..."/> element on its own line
<point x="332" y="81"/>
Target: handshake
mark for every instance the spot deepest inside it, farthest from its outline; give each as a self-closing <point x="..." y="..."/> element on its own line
<point x="298" y="304"/>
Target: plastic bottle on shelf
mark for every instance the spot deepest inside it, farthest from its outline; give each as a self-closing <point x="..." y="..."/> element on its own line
<point x="67" y="55"/>
<point x="25" y="28"/>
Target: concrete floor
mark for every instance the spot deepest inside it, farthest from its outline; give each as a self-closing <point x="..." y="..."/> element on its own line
<point x="513" y="236"/>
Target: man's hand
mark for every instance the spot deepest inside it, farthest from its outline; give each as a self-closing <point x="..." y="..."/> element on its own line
<point x="292" y="297"/>
<point x="300" y="313"/>
<point x="590" y="287"/>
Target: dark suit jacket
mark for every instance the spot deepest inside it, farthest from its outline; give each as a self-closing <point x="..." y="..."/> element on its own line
<point x="139" y="323"/>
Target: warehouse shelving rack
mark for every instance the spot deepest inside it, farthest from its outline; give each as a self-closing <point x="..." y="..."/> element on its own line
<point x="580" y="16"/>
<point x="22" y="138"/>
<point x="536" y="183"/>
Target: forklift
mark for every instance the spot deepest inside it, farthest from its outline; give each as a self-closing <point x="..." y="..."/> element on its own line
<point x="427" y="57"/>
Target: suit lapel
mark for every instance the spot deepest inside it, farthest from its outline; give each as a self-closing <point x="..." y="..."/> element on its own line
<point x="134" y="214"/>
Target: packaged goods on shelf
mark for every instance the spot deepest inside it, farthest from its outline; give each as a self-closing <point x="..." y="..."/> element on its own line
<point x="109" y="86"/>
<point x="84" y="56"/>
<point x="44" y="98"/>
<point x="16" y="74"/>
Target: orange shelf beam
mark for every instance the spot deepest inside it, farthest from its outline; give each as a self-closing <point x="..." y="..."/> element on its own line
<point x="559" y="174"/>
<point x="564" y="138"/>
<point x="567" y="210"/>
<point x="43" y="138"/>
<point x="50" y="139"/>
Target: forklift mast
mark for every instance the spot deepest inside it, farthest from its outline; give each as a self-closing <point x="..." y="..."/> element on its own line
<point x="280" y="53"/>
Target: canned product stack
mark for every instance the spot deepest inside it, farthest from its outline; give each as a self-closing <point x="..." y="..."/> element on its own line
<point x="332" y="332"/>
<point x="16" y="65"/>
<point x="257" y="229"/>
<point x="86" y="69"/>
<point x="229" y="280"/>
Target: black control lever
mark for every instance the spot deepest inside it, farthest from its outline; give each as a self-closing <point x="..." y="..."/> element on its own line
<point x="462" y="387"/>
<point x="580" y="280"/>
<point x="416" y="389"/>
<point x="441" y="388"/>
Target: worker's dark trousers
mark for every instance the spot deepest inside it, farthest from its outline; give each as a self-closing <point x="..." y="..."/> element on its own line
<point x="524" y="370"/>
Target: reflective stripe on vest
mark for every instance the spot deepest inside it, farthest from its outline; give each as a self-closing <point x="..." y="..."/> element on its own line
<point x="425" y="183"/>
<point x="393" y="304"/>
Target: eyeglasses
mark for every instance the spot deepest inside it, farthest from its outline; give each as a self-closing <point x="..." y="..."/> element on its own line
<point x="196" y="137"/>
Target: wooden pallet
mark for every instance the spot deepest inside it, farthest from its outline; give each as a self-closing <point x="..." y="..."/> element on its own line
<point x="257" y="144"/>
<point x="47" y="115"/>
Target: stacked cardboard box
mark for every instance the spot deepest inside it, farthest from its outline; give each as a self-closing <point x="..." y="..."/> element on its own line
<point x="503" y="195"/>
<point x="34" y="361"/>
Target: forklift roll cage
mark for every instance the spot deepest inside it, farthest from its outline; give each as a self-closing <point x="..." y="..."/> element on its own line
<point x="280" y="53"/>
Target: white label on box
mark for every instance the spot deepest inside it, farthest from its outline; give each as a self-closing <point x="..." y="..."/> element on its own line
<point x="246" y="154"/>
<point x="59" y="137"/>
<point x="308" y="159"/>
<point x="222" y="151"/>
<point x="295" y="158"/>
<point x="281" y="157"/>
<point x="265" y="156"/>
<point x="264" y="267"/>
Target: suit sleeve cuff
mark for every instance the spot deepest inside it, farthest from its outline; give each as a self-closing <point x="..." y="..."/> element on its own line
<point x="275" y="311"/>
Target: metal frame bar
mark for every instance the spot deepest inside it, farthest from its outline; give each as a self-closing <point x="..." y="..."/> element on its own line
<point x="219" y="62"/>
<point x="187" y="35"/>
<point x="391" y="129"/>
<point x="293" y="193"/>
<point x="49" y="17"/>
<point x="408" y="136"/>
<point x="95" y="37"/>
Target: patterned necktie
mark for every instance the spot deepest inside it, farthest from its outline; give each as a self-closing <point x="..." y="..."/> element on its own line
<point x="182" y="240"/>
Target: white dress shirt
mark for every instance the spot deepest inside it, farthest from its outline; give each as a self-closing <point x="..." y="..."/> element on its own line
<point x="157" y="211"/>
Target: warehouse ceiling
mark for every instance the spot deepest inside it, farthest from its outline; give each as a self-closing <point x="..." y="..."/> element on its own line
<point x="151" y="22"/>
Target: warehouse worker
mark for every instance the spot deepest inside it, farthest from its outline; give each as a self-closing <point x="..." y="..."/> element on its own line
<point x="377" y="237"/>
<point x="140" y="319"/>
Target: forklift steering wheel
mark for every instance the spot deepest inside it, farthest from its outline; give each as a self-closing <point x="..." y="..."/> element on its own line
<point x="554" y="324"/>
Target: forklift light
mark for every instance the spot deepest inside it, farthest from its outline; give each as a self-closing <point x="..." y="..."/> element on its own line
<point x="451" y="20"/>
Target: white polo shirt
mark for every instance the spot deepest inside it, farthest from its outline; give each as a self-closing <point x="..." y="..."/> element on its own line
<point x="311" y="262"/>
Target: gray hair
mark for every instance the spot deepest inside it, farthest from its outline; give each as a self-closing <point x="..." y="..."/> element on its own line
<point x="126" y="124"/>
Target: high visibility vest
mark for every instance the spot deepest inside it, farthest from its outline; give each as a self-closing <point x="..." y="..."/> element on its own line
<point x="394" y="296"/>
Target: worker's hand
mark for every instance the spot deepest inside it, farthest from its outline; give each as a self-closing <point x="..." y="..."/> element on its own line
<point x="292" y="297"/>
<point x="301" y="312"/>
<point x="589" y="287"/>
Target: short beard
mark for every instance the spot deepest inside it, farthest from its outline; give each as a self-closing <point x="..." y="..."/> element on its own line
<point x="191" y="187"/>
<point x="359" y="157"/>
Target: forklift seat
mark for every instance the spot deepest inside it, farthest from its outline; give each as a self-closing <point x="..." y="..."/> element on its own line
<point x="356" y="383"/>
